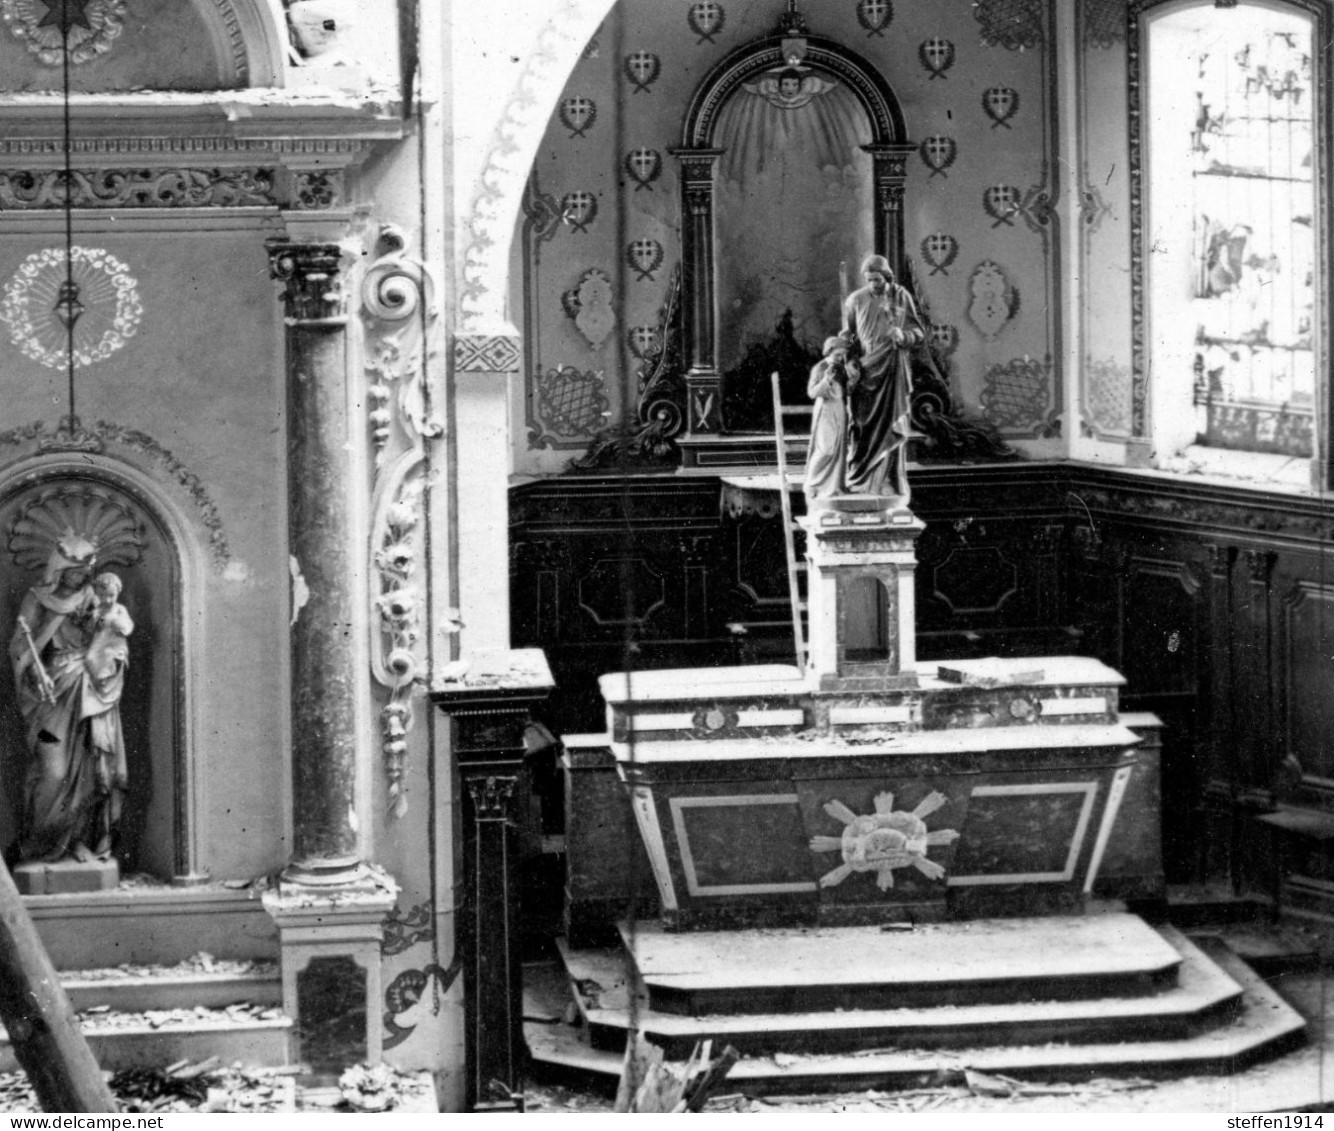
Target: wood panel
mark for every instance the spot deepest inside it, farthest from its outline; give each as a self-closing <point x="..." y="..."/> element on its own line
<point x="1213" y="600"/>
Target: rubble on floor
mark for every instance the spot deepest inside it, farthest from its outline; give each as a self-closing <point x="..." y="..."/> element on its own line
<point x="203" y="1087"/>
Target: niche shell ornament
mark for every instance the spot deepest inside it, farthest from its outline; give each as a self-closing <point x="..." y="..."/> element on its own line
<point x="92" y="27"/>
<point x="108" y="297"/>
<point x="884" y="840"/>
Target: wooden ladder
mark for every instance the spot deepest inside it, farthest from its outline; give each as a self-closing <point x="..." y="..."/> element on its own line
<point x="795" y="567"/>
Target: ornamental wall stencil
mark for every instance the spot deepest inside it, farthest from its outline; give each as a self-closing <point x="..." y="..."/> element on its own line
<point x="885" y="840"/>
<point x="875" y="16"/>
<point x="1001" y="203"/>
<point x="1037" y="208"/>
<point x="940" y="249"/>
<point x="102" y="518"/>
<point x="571" y="403"/>
<point x="994" y="301"/>
<point x="578" y="114"/>
<point x="403" y="931"/>
<point x="1015" y="25"/>
<point x="589" y="305"/>
<point x="938" y="154"/>
<point x="644" y="166"/>
<point x="1017" y="394"/>
<point x="706" y="20"/>
<point x="1001" y="103"/>
<point x="643" y="69"/>
<point x="93" y="26"/>
<point x="541" y="211"/>
<point x="645" y="256"/>
<point x="1107" y="386"/>
<point x="1093" y="208"/>
<point x="644" y="341"/>
<point x="578" y="210"/>
<point x="107" y="293"/>
<point x="936" y="55"/>
<point x="137" y="188"/>
<point x="1104" y="22"/>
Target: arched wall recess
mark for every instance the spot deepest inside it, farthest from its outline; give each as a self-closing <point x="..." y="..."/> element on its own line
<point x="698" y="156"/>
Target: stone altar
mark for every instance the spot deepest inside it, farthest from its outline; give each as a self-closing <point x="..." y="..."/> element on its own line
<point x="868" y="788"/>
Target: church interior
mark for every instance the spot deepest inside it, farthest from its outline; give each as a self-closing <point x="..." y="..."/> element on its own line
<point x="424" y="628"/>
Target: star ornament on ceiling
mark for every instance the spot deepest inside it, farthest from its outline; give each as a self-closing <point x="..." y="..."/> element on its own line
<point x="65" y="14"/>
<point x="57" y="30"/>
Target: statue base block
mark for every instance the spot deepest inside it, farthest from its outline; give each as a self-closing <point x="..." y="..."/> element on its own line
<point x="66" y="876"/>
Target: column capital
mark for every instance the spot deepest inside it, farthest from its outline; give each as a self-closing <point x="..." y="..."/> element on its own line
<point x="312" y="274"/>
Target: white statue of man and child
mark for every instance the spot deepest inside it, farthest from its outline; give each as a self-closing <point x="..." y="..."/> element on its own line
<point x="861" y="388"/>
<point x="69" y="650"/>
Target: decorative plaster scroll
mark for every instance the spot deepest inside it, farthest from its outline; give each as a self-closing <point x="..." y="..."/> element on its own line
<point x="994" y="302"/>
<point x="1015" y="25"/>
<point x="589" y="305"/>
<point x="398" y="295"/>
<point x="137" y="188"/>
<point x="71" y="436"/>
<point x="107" y="304"/>
<point x="882" y="841"/>
<point x="396" y="640"/>
<point x="398" y="304"/>
<point x="51" y="513"/>
<point x="92" y="27"/>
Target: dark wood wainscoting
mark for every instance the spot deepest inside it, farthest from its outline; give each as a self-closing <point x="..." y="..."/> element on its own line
<point x="1216" y="602"/>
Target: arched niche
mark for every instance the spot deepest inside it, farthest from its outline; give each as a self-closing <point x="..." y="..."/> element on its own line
<point x="699" y="154"/>
<point x="158" y="832"/>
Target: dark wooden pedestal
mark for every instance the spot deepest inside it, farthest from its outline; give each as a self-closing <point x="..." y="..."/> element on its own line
<point x="488" y="712"/>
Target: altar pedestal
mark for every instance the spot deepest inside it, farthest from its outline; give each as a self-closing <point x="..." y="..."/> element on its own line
<point x="764" y="800"/>
<point x="862" y="555"/>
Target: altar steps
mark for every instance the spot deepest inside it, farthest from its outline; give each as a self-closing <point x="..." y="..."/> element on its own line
<point x="1218" y="1018"/>
<point x="152" y="1017"/>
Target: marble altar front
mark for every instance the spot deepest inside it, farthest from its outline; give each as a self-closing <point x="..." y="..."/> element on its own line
<point x="762" y="799"/>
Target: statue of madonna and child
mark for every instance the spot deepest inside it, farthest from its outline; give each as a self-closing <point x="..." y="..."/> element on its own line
<point x="69" y="650"/>
<point x="861" y="387"/>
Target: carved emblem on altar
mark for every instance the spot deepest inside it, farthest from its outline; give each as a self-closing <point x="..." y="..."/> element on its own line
<point x="882" y="841"/>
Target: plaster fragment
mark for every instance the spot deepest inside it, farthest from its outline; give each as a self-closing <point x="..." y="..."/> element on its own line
<point x="300" y="591"/>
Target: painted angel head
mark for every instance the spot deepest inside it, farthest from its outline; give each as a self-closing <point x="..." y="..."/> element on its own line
<point x="790" y="88"/>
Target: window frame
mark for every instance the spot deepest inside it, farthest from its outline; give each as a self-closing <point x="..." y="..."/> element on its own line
<point x="1140" y="16"/>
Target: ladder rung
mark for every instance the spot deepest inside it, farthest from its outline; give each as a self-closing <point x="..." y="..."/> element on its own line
<point x="796" y="409"/>
<point x="800" y="567"/>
